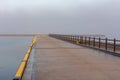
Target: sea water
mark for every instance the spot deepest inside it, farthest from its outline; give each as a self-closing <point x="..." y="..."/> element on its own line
<point x="12" y="51"/>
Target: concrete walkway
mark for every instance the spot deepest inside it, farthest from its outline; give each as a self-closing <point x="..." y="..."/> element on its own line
<point x="59" y="60"/>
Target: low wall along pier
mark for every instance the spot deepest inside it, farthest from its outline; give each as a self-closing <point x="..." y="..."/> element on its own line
<point x="20" y="71"/>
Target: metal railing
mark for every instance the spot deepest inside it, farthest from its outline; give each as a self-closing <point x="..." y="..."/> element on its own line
<point x="102" y="43"/>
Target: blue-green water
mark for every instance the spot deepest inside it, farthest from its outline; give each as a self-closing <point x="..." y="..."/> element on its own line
<point x="12" y="50"/>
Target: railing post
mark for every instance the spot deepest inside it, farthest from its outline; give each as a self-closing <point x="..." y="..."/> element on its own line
<point x="85" y="40"/>
<point x="82" y="39"/>
<point x="89" y="41"/>
<point x="114" y="44"/>
<point x="72" y="37"/>
<point x="75" y="38"/>
<point x="106" y="43"/>
<point x="79" y="38"/>
<point x="68" y="37"/>
<point x="94" y="41"/>
<point x="99" y="42"/>
<point x="65" y="37"/>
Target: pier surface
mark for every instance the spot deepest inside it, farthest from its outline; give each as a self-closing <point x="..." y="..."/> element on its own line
<point x="59" y="60"/>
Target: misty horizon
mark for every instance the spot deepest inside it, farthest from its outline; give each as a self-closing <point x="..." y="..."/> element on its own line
<point x="61" y="16"/>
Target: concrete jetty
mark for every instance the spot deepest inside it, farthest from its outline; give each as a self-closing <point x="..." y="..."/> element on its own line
<point x="55" y="59"/>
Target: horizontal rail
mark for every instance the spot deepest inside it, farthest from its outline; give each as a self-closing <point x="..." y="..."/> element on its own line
<point x="20" y="71"/>
<point x="103" y="43"/>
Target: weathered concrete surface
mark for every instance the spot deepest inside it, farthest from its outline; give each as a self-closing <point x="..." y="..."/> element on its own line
<point x="59" y="60"/>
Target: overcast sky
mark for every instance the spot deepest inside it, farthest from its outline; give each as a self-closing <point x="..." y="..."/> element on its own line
<point x="60" y="16"/>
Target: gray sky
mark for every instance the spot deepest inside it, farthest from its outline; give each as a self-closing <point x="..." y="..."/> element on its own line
<point x="60" y="16"/>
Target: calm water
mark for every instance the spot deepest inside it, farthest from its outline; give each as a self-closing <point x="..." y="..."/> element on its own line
<point x="12" y="50"/>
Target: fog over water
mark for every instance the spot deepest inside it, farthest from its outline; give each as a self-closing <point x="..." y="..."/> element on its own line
<point x="60" y="16"/>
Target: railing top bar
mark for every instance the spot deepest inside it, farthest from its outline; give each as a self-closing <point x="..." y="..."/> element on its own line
<point x="80" y="35"/>
<point x="97" y="37"/>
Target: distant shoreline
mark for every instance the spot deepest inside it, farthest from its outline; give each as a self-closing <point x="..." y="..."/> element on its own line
<point x="17" y="34"/>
